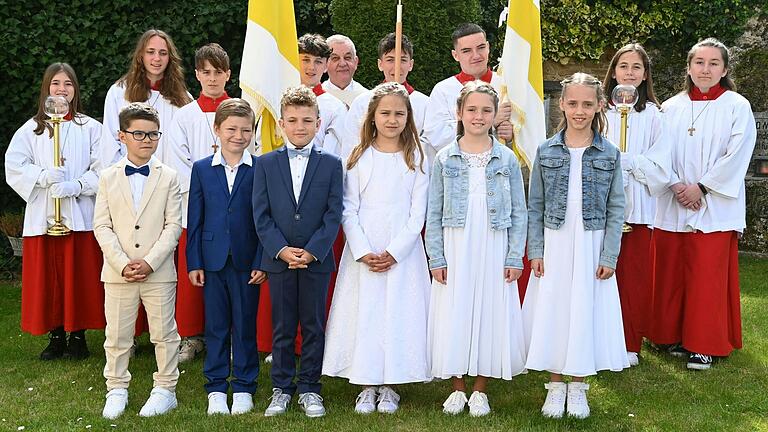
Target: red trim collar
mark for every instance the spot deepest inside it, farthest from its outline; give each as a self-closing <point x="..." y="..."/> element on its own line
<point x="69" y="116"/>
<point x="318" y="90"/>
<point x="714" y="92"/>
<point x="209" y="105"/>
<point x="465" y="77"/>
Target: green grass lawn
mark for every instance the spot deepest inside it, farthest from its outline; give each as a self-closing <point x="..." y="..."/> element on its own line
<point x="659" y="395"/>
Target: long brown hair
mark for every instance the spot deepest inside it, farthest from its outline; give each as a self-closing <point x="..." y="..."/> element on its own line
<point x="599" y="121"/>
<point x="409" y="137"/>
<point x="172" y="87"/>
<point x="75" y="107"/>
<point x="475" y="86"/>
<point x="726" y="81"/>
<point x="645" y="91"/>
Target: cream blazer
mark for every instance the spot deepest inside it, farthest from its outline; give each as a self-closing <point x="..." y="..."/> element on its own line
<point x="151" y="234"/>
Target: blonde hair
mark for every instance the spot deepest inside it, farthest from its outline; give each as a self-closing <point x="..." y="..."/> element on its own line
<point x="234" y="107"/>
<point x="298" y="96"/>
<point x="409" y="137"/>
<point x="476" y="86"/>
<point x="599" y="121"/>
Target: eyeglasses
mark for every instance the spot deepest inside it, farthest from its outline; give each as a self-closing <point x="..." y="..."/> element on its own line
<point x="140" y="135"/>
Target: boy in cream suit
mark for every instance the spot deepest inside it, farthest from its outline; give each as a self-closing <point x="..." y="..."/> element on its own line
<point x="137" y="222"/>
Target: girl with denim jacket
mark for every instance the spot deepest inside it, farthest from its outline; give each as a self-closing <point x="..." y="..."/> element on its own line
<point x="571" y="311"/>
<point x="475" y="236"/>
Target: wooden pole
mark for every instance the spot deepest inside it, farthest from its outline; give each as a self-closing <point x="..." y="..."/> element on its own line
<point x="398" y="39"/>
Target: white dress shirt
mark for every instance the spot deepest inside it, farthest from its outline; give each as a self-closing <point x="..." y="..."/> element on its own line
<point x="137" y="182"/>
<point x="231" y="171"/>
<point x="298" y="168"/>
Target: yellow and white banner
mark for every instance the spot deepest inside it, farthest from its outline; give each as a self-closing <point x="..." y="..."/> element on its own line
<point x="521" y="70"/>
<point x="270" y="63"/>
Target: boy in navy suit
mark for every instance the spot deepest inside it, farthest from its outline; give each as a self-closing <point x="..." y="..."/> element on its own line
<point x="224" y="258"/>
<point x="297" y="203"/>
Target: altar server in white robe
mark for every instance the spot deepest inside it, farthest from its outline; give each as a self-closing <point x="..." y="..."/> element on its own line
<point x="700" y="217"/>
<point x="359" y="108"/>
<point x="155" y="76"/>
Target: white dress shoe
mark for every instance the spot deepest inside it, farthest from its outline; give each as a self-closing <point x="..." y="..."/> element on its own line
<point x="117" y="400"/>
<point x="455" y="403"/>
<point x="160" y="402"/>
<point x="577" y="400"/>
<point x="217" y="403"/>
<point x="241" y="403"/>
<point x="478" y="404"/>
<point x="366" y="401"/>
<point x="554" y="405"/>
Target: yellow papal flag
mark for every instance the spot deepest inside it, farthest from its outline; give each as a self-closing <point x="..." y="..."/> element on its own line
<point x="521" y="70"/>
<point x="270" y="63"/>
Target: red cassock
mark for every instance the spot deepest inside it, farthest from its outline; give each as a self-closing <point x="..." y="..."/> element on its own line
<point x="190" y="309"/>
<point x="696" y="291"/>
<point x="61" y="283"/>
<point x="264" y="314"/>
<point x="634" y="277"/>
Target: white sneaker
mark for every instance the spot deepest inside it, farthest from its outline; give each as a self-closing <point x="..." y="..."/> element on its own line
<point x="634" y="359"/>
<point x="160" y="402"/>
<point x="455" y="403"/>
<point x="366" y="401"/>
<point x="478" y="404"/>
<point x="279" y="404"/>
<point x="312" y="404"/>
<point x="554" y="405"/>
<point x="388" y="400"/>
<point x="217" y="403"/>
<point x="268" y="358"/>
<point x="117" y="400"/>
<point x="189" y="347"/>
<point x="577" y="400"/>
<point x="241" y="403"/>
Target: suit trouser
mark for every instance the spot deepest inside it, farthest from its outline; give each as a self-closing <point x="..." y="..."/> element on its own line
<point x="121" y="304"/>
<point x="230" y="308"/>
<point x="298" y="297"/>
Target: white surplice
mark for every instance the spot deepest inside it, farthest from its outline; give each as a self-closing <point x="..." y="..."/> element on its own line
<point x="717" y="155"/>
<point x="29" y="154"/>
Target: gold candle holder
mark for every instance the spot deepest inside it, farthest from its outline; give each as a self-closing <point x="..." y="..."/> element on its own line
<point x="56" y="107"/>
<point x="624" y="97"/>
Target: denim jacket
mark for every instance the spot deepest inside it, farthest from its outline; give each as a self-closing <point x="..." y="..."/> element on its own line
<point x="448" y="192"/>
<point x="602" y="189"/>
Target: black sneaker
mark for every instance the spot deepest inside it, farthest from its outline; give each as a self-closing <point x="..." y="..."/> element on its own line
<point x="677" y="350"/>
<point x="57" y="344"/>
<point x="699" y="361"/>
<point x="77" y="349"/>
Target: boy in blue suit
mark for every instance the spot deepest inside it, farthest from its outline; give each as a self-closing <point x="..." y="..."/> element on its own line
<point x="224" y="258"/>
<point x="297" y="203"/>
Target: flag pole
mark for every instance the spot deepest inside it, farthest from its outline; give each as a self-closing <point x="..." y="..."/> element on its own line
<point x="398" y="39"/>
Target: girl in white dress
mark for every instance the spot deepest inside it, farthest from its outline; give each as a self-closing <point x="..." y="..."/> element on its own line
<point x="632" y="66"/>
<point x="155" y="76"/>
<point x="377" y="328"/>
<point x="575" y="209"/>
<point x="476" y="222"/>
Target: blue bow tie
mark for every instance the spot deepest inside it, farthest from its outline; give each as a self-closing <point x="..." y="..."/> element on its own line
<point x="292" y="153"/>
<point x="129" y="170"/>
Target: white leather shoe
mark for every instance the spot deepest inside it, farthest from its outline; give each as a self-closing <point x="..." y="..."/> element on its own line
<point x="217" y="403"/>
<point x="633" y="358"/>
<point x="312" y="404"/>
<point x="455" y="403"/>
<point x="241" y="403"/>
<point x="366" y="401"/>
<point x="389" y="400"/>
<point x="160" y="402"/>
<point x="117" y="400"/>
<point x="478" y="404"/>
<point x="279" y="404"/>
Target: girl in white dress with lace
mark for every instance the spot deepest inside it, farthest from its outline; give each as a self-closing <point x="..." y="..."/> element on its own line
<point x="377" y="328"/>
<point x="476" y="222"/>
<point x="571" y="310"/>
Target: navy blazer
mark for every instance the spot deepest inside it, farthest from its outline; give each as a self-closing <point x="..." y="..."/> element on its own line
<point x="220" y="223"/>
<point x="312" y="223"/>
